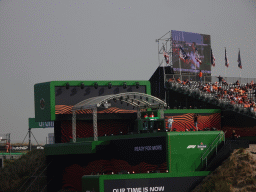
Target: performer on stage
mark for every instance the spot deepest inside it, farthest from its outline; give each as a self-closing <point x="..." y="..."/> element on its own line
<point x="170" y="121"/>
<point x="195" y="121"/>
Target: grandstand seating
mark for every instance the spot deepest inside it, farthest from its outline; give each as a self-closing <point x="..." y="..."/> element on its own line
<point x="236" y="97"/>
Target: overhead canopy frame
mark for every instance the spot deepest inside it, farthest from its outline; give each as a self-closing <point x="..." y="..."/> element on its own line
<point x="138" y="100"/>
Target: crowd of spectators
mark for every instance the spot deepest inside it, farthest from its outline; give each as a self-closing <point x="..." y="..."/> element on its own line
<point x="237" y="94"/>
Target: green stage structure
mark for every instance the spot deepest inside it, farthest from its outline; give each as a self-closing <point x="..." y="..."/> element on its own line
<point x="113" y="136"/>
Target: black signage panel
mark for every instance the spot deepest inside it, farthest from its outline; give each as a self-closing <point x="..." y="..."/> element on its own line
<point x="152" y="184"/>
<point x="74" y="95"/>
<point x="149" y="150"/>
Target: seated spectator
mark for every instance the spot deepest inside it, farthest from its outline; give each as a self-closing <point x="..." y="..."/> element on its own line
<point x="225" y="82"/>
<point x="237" y="82"/>
<point x="246" y="105"/>
<point x="171" y="80"/>
<point x="252" y="105"/>
<point x="188" y="82"/>
<point x="178" y="80"/>
<point x="215" y="88"/>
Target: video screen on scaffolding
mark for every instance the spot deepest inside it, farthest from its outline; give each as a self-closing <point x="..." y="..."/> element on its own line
<point x="191" y="53"/>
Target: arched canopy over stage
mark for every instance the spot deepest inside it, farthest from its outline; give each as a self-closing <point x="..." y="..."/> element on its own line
<point x="138" y="100"/>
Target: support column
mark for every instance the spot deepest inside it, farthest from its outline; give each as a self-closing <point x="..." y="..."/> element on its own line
<point x="29" y="138"/>
<point x="95" y="129"/>
<point x="138" y="114"/>
<point x="161" y="113"/>
<point x="74" y="126"/>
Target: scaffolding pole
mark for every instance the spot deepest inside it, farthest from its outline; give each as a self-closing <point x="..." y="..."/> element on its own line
<point x="74" y="126"/>
<point x="95" y="129"/>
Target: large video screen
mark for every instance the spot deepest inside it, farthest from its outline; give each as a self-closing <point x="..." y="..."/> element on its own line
<point x="191" y="52"/>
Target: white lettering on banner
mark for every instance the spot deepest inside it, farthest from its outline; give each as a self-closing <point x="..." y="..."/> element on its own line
<point x="157" y="188"/>
<point x="191" y="146"/>
<point x="134" y="189"/>
<point x="119" y="190"/>
<point x="19" y="148"/>
<point x="140" y="189"/>
<point x="148" y="148"/>
<point x="157" y="147"/>
<point x="46" y="124"/>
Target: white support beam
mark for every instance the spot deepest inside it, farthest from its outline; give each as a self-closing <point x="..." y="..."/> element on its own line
<point x="95" y="129"/>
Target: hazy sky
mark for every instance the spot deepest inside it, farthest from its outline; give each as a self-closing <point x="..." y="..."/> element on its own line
<point x="47" y="40"/>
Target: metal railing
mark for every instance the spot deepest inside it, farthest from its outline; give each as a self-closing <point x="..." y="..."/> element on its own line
<point x="205" y="79"/>
<point x="209" y="79"/>
<point x="232" y="80"/>
<point x="212" y="146"/>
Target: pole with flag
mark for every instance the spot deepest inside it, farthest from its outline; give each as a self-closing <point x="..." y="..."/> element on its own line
<point x="239" y="62"/>
<point x="226" y="61"/>
<point x="212" y="59"/>
<point x="166" y="58"/>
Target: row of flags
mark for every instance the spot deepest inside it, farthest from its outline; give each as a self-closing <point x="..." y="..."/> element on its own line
<point x="238" y="60"/>
<point x="185" y="56"/>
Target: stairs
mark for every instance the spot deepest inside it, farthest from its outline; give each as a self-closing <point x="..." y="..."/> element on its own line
<point x="224" y="152"/>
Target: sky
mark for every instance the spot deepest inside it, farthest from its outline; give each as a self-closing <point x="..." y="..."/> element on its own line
<point x="42" y="41"/>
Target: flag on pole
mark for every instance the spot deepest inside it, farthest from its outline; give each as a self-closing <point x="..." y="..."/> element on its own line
<point x="212" y="59"/>
<point x="183" y="54"/>
<point x="239" y="60"/>
<point x="226" y="59"/>
<point x="197" y="57"/>
<point x="166" y="57"/>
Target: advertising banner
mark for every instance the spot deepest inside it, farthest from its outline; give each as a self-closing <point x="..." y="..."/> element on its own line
<point x="42" y="124"/>
<point x="152" y="184"/>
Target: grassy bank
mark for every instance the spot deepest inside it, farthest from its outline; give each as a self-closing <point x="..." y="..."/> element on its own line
<point x="17" y="172"/>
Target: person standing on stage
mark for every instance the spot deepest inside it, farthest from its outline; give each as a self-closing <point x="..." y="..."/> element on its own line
<point x="195" y="121"/>
<point x="151" y="116"/>
<point x="170" y="121"/>
<point x="146" y="122"/>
